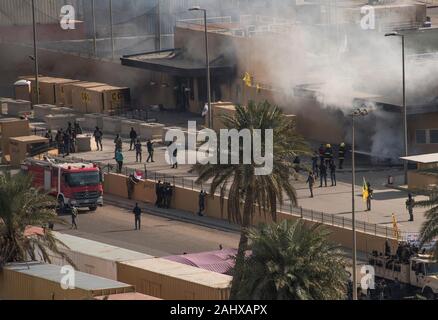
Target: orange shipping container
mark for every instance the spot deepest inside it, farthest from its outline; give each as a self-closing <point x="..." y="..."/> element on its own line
<point x="106" y="99"/>
<point x="60" y="97"/>
<point x="174" y="281"/>
<point x="79" y="97"/>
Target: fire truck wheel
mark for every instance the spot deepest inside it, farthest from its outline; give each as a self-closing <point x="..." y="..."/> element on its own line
<point x="428" y="293"/>
<point x="93" y="208"/>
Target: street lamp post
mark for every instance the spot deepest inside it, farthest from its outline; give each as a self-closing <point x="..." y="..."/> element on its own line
<point x="356" y="113"/>
<point x="207" y="62"/>
<point x="111" y="28"/>
<point x="405" y="120"/>
<point x="93" y="14"/>
<point x="35" y="54"/>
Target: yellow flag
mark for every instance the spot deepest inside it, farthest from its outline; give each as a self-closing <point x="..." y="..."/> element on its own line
<point x="365" y="190"/>
<point x="247" y="79"/>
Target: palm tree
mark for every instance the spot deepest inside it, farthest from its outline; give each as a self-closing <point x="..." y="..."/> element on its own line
<point x="22" y="206"/>
<point x="291" y="262"/>
<point x="240" y="184"/>
<point x="429" y="228"/>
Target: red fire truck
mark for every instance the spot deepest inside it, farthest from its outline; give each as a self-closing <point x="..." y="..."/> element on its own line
<point x="73" y="184"/>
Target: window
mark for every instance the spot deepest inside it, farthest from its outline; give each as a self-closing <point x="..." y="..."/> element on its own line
<point x="433" y="135"/>
<point x="420" y="136"/>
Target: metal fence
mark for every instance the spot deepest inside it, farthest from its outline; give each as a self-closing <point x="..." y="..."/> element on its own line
<point x="189" y="182"/>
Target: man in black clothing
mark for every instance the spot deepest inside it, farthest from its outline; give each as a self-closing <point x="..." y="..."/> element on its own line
<point x="202" y="195"/>
<point x="311" y="181"/>
<point x="98" y="138"/>
<point x="168" y="191"/>
<point x="323" y="174"/>
<point x="158" y="193"/>
<point x="150" y="147"/>
<point x="66" y="139"/>
<point x="333" y="172"/>
<point x="138" y="151"/>
<point x="133" y="137"/>
<point x="137" y="214"/>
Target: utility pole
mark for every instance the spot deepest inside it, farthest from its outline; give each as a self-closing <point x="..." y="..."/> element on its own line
<point x="93" y="14"/>
<point x="111" y="28"/>
<point x="35" y="54"/>
<point x="158" y="32"/>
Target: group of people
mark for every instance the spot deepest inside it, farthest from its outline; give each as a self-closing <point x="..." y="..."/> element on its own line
<point x="65" y="140"/>
<point x="323" y="162"/>
<point x="135" y="145"/>
<point x="164" y="192"/>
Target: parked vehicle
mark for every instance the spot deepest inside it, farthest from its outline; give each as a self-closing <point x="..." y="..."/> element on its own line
<point x="73" y="184"/>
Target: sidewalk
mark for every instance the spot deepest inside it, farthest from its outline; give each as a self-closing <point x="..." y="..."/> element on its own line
<point x="173" y="214"/>
<point x="338" y="201"/>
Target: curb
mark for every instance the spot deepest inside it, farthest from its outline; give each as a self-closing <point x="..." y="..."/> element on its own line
<point x="175" y="216"/>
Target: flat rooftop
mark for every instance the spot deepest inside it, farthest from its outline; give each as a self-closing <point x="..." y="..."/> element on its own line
<point x="53" y="273"/>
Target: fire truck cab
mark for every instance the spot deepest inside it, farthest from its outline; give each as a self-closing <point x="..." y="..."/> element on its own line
<point x="73" y="184"/>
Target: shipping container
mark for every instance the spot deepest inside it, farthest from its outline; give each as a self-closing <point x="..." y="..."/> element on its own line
<point x="174" y="281"/>
<point x="40" y="281"/>
<point x="79" y="98"/>
<point x="60" y="83"/>
<point x="94" y="257"/>
<point x="106" y="99"/>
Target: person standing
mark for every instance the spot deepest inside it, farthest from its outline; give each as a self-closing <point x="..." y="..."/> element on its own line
<point x="49" y="136"/>
<point x="333" y="172"/>
<point x="311" y="182"/>
<point x="410" y="203"/>
<point x="74" y="216"/>
<point x="119" y="160"/>
<point x="202" y="195"/>
<point x="66" y="139"/>
<point x="328" y="154"/>
<point x="118" y="143"/>
<point x="138" y="151"/>
<point x="321" y="152"/>
<point x="150" y="147"/>
<point x="60" y="141"/>
<point x="175" y="159"/>
<point x="98" y="138"/>
<point x="133" y="137"/>
<point x="323" y="174"/>
<point x="341" y="155"/>
<point x="315" y="164"/>
<point x="369" y="196"/>
<point x="131" y="183"/>
<point x="158" y="194"/>
<point x="137" y="215"/>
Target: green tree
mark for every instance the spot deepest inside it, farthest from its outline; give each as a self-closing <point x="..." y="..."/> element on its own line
<point x="240" y="184"/>
<point x="289" y="261"/>
<point x="429" y="228"/>
<point x="22" y="206"/>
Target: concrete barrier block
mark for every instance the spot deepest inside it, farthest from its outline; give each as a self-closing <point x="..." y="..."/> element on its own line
<point x="83" y="143"/>
<point x="42" y="110"/>
<point x="17" y="107"/>
<point x="58" y="121"/>
<point x="61" y="110"/>
<point x="93" y="120"/>
<point x="112" y="125"/>
<point x="151" y="130"/>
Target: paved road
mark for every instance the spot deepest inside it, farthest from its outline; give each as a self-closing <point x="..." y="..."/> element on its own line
<point x="158" y="237"/>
